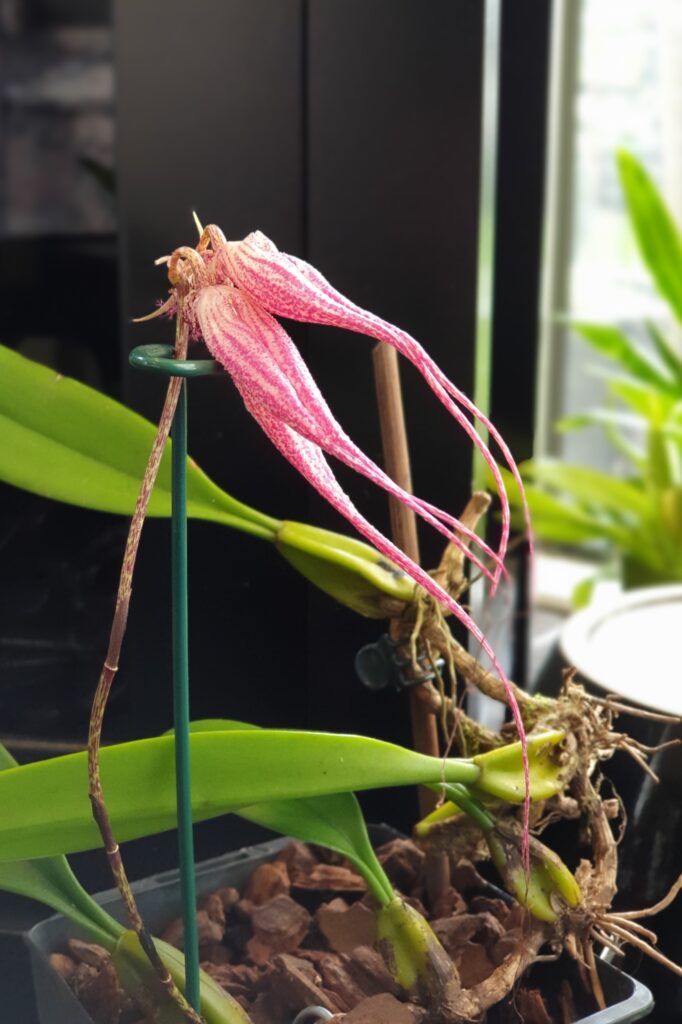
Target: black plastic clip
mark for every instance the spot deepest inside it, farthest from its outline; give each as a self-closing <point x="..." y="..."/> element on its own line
<point x="380" y="665"/>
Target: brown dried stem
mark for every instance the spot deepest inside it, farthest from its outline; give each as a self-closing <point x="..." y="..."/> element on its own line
<point x="108" y="674"/>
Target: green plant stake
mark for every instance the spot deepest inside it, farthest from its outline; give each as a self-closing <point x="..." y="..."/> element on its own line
<point x="159" y="359"/>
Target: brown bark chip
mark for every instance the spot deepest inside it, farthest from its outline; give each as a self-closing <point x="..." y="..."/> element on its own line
<point x="448" y="903"/>
<point x="63" y="965"/>
<point x="87" y="952"/>
<point x="455" y="932"/>
<point x="368" y="969"/>
<point x="508" y="943"/>
<point x="228" y="896"/>
<point x="337" y="979"/>
<point x="346" y="927"/>
<point x="474" y="964"/>
<point x="266" y="882"/>
<point x="382" y="1009"/>
<point x="101" y="994"/>
<point x="297" y="857"/>
<point x="465" y="877"/>
<point x="329" y="878"/>
<point x="485" y="904"/>
<point x="279" y="926"/>
<point x="295" y="984"/>
<point x="264" y="1010"/>
<point x="238" y="979"/>
<point x="208" y="931"/>
<point x="215" y="953"/>
<point x="214" y="907"/>
<point x="402" y="861"/>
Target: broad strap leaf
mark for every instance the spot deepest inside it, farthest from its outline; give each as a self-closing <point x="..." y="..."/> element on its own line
<point x="67" y="441"/>
<point x="46" y="810"/>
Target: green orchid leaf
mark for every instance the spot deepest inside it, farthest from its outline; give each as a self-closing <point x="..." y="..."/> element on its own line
<point x="334" y="821"/>
<point x="51" y="881"/>
<point x="657" y="236"/>
<point x="64" y="440"/>
<point x="613" y="344"/>
<point x="46" y="810"/>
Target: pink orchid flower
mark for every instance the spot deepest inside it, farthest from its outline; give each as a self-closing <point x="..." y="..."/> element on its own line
<point x="230" y="294"/>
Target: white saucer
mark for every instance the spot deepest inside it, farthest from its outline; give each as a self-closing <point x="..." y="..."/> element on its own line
<point x="632" y="646"/>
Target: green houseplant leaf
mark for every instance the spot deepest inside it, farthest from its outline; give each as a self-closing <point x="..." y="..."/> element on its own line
<point x="590" y="486"/>
<point x="657" y="236"/>
<point x="637" y="518"/>
<point x="612" y="343"/>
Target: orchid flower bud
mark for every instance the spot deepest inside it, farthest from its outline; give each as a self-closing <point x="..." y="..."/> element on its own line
<point x="351" y="572"/>
<point x="416" y="959"/>
<point x="548" y="889"/>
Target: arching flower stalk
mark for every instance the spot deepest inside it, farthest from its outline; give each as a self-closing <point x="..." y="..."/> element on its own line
<point x="232" y="292"/>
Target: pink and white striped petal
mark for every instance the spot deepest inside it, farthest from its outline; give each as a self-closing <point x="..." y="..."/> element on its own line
<point x="290" y="287"/>
<point x="267" y="368"/>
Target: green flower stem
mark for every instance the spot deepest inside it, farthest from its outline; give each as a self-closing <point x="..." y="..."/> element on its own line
<point x="462" y="798"/>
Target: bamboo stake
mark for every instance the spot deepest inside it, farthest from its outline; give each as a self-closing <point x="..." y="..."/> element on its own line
<point x="403" y="529"/>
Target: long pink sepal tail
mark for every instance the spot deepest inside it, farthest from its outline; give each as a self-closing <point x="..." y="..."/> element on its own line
<point x="264" y="362"/>
<point x="289" y="287"/>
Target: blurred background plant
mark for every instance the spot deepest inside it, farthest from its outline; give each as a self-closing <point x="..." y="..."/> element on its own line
<point x="634" y="523"/>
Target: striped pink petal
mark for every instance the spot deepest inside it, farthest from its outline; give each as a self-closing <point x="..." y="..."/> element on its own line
<point x="290" y="287"/>
<point x="267" y="367"/>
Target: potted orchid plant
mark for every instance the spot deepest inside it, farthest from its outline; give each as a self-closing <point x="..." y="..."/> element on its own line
<point x="501" y="787"/>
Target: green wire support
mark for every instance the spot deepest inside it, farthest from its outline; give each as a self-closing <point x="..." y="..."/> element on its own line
<point x="159" y="359"/>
